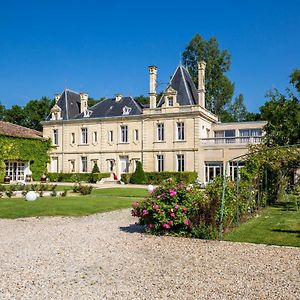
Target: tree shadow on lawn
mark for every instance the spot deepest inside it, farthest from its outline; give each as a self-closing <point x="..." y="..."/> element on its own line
<point x="286" y="206"/>
<point x="133" y="228"/>
<point x="288" y="231"/>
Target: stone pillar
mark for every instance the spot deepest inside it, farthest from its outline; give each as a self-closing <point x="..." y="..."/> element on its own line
<point x="153" y="76"/>
<point x="201" y="83"/>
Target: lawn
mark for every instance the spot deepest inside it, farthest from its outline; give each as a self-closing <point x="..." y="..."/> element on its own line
<point x="99" y="201"/>
<point x="275" y="225"/>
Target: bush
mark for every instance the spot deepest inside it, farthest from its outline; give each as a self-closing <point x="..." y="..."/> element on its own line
<point x="76" y="177"/>
<point x="82" y="189"/>
<point x="139" y="176"/>
<point x="159" y="177"/>
<point x="95" y="168"/>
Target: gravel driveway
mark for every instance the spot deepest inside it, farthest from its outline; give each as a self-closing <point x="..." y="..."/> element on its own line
<point x="104" y="257"/>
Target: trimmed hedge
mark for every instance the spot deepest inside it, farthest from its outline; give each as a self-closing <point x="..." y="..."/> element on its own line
<point x="77" y="177"/>
<point x="158" y="177"/>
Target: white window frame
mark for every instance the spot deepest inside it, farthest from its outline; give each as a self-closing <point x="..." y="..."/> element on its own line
<point x="73" y="139"/>
<point x="136" y="134"/>
<point x="217" y="168"/>
<point x="160" y="132"/>
<point x="95" y="137"/>
<point x="124" y="134"/>
<point x="180" y="162"/>
<point x="180" y="131"/>
<point x="110" y="136"/>
<point x="160" y="163"/>
<point x="84" y="165"/>
<point x="84" y="135"/>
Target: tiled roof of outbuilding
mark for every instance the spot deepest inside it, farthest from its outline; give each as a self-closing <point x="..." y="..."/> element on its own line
<point x="19" y="131"/>
<point x="182" y="82"/>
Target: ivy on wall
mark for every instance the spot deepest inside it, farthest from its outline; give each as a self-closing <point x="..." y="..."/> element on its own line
<point x="25" y="149"/>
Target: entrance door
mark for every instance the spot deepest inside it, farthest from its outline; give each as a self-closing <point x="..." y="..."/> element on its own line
<point x="15" y="170"/>
<point x="124" y="164"/>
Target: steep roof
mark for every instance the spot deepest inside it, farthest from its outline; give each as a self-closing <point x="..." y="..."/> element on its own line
<point x="112" y="108"/>
<point x="69" y="102"/>
<point x="19" y="131"/>
<point x="182" y="82"/>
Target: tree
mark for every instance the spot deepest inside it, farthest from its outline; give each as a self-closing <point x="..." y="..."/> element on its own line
<point x="295" y="79"/>
<point x="283" y="115"/>
<point x="2" y="111"/>
<point x="15" y="115"/>
<point x="142" y="99"/>
<point x="219" y="89"/>
<point x="95" y="168"/>
<point x="139" y="176"/>
<point x="236" y="112"/>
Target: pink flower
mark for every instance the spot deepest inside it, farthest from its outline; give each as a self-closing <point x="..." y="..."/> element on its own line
<point x="166" y="226"/>
<point x="172" y="215"/>
<point x="186" y="221"/>
<point x="145" y="212"/>
<point x="156" y="207"/>
<point x="170" y="223"/>
<point x="158" y="197"/>
<point x="172" y="193"/>
<point x="135" y="204"/>
<point x="151" y="225"/>
<point x="176" y="206"/>
<point x="170" y="179"/>
<point x="184" y="209"/>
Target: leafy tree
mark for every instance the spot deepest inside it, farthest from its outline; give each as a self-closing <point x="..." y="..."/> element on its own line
<point x="2" y="111"/>
<point x="295" y="79"/>
<point x="219" y="89"/>
<point x="139" y="176"/>
<point x="142" y="99"/>
<point x="15" y="115"/>
<point x="92" y="101"/>
<point x="283" y="115"/>
<point x="236" y="112"/>
<point x="95" y="168"/>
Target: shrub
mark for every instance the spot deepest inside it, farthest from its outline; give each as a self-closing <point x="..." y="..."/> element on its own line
<point x="82" y="189"/>
<point x="126" y="177"/>
<point x="95" y="168"/>
<point x="139" y="176"/>
<point x="76" y="177"/>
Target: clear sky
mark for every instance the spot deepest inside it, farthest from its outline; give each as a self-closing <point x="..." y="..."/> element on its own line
<point x="105" y="47"/>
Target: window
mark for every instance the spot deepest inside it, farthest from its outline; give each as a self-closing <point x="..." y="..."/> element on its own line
<point x="54" y="164"/>
<point x="84" y="136"/>
<point x="207" y="133"/>
<point x="180" y="131"/>
<point x="136" y="135"/>
<point x="110" y="136"/>
<point x="110" y="166"/>
<point x="234" y="169"/>
<point x="95" y="137"/>
<point x="212" y="170"/>
<point x="160" y="132"/>
<point x="55" y="136"/>
<point x="72" y="166"/>
<point x="255" y="133"/>
<point x="126" y="110"/>
<point x="160" y="163"/>
<point x="83" y="164"/>
<point x="72" y="138"/>
<point x="124" y="134"/>
<point x="180" y="163"/>
<point x="225" y="136"/>
<point x="170" y="101"/>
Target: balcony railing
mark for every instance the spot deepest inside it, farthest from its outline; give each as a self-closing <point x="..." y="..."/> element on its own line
<point x="232" y="140"/>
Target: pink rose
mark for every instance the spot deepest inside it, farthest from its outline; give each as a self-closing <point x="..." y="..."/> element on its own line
<point x="145" y="212"/>
<point x="135" y="204"/>
<point x="184" y="209"/>
<point x="156" y="207"/>
<point x="172" y="215"/>
<point x="151" y="225"/>
<point x="170" y="223"/>
<point x="158" y="197"/>
<point x="166" y="226"/>
<point x="172" y="193"/>
<point x="186" y="221"/>
<point x="176" y="206"/>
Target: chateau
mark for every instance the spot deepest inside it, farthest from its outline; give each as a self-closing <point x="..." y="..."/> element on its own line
<point x="175" y="133"/>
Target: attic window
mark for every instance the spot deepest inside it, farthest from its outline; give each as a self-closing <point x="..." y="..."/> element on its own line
<point x="126" y="110"/>
<point x="87" y="113"/>
<point x="170" y="101"/>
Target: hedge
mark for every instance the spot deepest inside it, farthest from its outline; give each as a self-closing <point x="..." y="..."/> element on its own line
<point x="77" y="177"/>
<point x="158" y="177"/>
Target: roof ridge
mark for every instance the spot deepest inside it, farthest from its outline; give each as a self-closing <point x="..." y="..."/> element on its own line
<point x="185" y="84"/>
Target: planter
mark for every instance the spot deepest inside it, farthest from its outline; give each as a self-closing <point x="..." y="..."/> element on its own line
<point x="7" y="179"/>
<point x="43" y="179"/>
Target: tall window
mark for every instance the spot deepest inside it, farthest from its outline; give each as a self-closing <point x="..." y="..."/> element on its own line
<point x="84" y="136"/>
<point x="180" y="162"/>
<point x="180" y="131"/>
<point x="225" y="136"/>
<point x="160" y="132"/>
<point x="234" y="169"/>
<point x="255" y="133"/>
<point x="213" y="169"/>
<point x="110" y="136"/>
<point x="124" y="134"/>
<point x="170" y="101"/>
<point x="136" y="135"/>
<point x="72" y="138"/>
<point x="160" y="163"/>
<point x="95" y="137"/>
<point x="83" y="164"/>
<point x="55" y="136"/>
<point x="72" y="166"/>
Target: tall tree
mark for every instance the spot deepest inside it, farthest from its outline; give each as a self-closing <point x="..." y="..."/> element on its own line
<point x="15" y="115"/>
<point x="2" y="111"/>
<point x="219" y="89"/>
<point x="295" y="79"/>
<point x="283" y="115"/>
<point x="236" y="111"/>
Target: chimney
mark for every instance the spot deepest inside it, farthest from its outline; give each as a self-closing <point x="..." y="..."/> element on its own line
<point x="153" y="76"/>
<point x="118" y="97"/>
<point x="201" y="83"/>
<point x="83" y="102"/>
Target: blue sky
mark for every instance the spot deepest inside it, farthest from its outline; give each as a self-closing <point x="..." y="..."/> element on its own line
<point x="105" y="47"/>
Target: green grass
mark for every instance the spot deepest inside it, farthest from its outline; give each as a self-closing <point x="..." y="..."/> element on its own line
<point x="99" y="201"/>
<point x="275" y="225"/>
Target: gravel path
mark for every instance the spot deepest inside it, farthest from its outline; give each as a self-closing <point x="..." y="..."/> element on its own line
<point x="104" y="257"/>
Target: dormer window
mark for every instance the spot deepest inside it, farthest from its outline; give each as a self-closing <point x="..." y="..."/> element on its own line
<point x="87" y="113"/>
<point x="170" y="101"/>
<point x="126" y="110"/>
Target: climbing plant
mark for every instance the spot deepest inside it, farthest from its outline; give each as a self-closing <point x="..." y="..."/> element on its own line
<point x="25" y="149"/>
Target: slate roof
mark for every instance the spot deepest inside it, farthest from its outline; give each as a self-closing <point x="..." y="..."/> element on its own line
<point x="10" y="129"/>
<point x="69" y="102"/>
<point x="112" y="108"/>
<point x="182" y="82"/>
